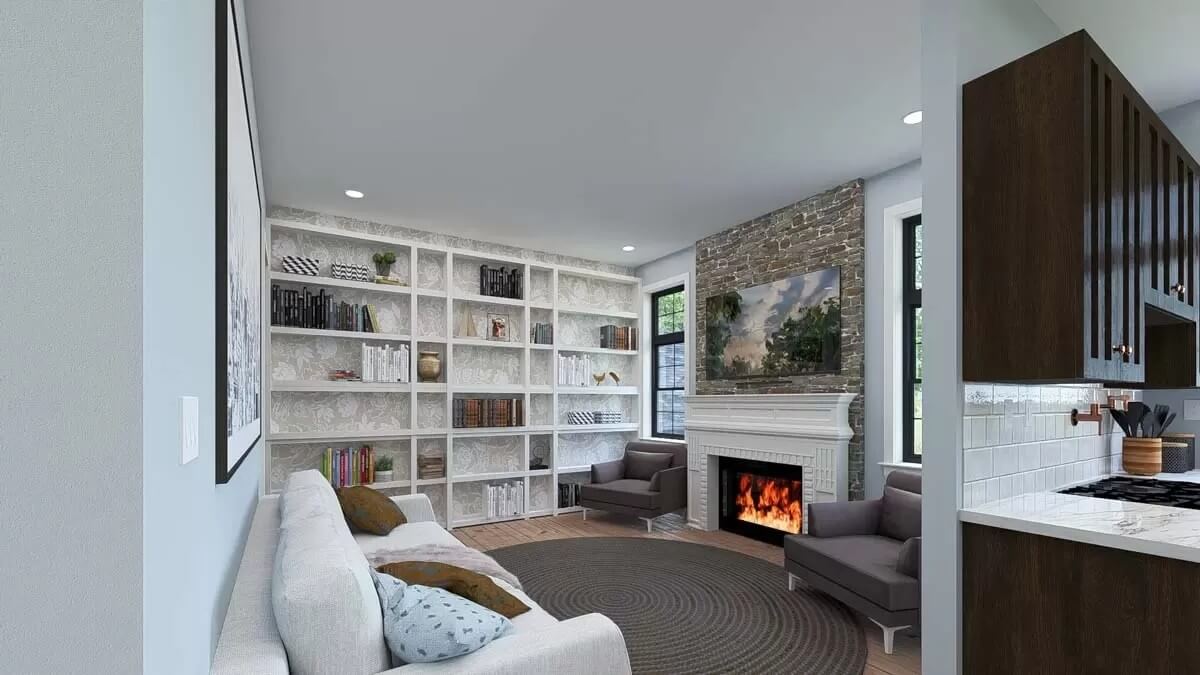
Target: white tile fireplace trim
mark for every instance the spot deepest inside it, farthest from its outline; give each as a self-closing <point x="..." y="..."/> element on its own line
<point x="808" y="430"/>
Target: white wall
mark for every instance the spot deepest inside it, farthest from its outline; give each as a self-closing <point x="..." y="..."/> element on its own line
<point x="880" y="429"/>
<point x="70" y="350"/>
<point x="961" y="39"/>
<point x="654" y="274"/>
<point x="194" y="528"/>
<point x="1184" y="122"/>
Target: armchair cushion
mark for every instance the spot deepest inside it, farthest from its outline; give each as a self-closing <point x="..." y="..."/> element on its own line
<point x="841" y="519"/>
<point x="909" y="561"/>
<point x="865" y="565"/>
<point x="900" y="517"/>
<point x="643" y="465"/>
<point x="625" y="492"/>
<point x="606" y="472"/>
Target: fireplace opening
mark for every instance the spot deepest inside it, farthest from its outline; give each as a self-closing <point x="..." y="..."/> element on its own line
<point x="762" y="500"/>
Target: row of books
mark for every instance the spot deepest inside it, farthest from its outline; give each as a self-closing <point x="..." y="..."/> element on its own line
<point x="568" y="495"/>
<point x="575" y="370"/>
<point x="500" y="283"/>
<point x="431" y="466"/>
<point x="349" y="466"/>
<point x="541" y="334"/>
<point x="305" y="309"/>
<point x="471" y="413"/>
<point x="618" y="337"/>
<point x="505" y="499"/>
<point x="385" y="364"/>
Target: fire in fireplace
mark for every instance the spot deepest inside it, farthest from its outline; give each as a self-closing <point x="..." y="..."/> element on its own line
<point x="761" y="499"/>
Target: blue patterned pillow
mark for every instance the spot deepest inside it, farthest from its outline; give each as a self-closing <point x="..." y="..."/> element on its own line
<point x="423" y="624"/>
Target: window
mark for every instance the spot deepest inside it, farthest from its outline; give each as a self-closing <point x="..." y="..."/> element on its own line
<point x="668" y="369"/>
<point x="912" y="344"/>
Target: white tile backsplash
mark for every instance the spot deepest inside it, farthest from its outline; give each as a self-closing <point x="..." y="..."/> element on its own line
<point x="1019" y="439"/>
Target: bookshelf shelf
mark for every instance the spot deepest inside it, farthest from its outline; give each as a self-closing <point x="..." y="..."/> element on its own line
<point x="417" y="416"/>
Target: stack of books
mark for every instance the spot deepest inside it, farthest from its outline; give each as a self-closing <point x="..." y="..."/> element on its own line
<point x="505" y="499"/>
<point x="568" y="495"/>
<point x="431" y="466"/>
<point x="500" y="283"/>
<point x="344" y="467"/>
<point x="471" y="413"/>
<point x="385" y="364"/>
<point x="575" y="371"/>
<point x="542" y="334"/>
<point x="618" y="337"/>
<point x="304" y="309"/>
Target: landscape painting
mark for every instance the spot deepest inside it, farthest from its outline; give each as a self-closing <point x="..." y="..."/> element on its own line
<point x="787" y="327"/>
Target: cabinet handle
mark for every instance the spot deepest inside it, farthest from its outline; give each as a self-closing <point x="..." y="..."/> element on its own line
<point x="1123" y="350"/>
<point x="1179" y="288"/>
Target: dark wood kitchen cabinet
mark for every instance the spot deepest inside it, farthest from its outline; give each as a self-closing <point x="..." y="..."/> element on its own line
<point x="1079" y="227"/>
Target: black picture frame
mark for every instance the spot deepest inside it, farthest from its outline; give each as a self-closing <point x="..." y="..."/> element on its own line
<point x="233" y="448"/>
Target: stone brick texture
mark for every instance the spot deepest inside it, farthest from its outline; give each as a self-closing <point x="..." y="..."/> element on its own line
<point x="822" y="231"/>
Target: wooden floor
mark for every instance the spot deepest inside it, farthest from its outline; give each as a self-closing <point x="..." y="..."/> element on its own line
<point x="905" y="661"/>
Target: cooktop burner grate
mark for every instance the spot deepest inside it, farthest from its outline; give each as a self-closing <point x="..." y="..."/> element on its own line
<point x="1141" y="490"/>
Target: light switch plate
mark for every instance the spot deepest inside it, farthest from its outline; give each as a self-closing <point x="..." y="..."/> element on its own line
<point x="1191" y="409"/>
<point x="189" y="428"/>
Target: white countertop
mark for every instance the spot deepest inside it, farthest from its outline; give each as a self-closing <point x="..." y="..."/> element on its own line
<point x="1145" y="528"/>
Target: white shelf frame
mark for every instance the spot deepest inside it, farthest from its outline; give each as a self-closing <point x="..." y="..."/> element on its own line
<point x="411" y="389"/>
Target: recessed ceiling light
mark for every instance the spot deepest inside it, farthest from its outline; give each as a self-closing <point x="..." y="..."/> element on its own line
<point x="627" y="248"/>
<point x="913" y="117"/>
<point x="354" y="194"/>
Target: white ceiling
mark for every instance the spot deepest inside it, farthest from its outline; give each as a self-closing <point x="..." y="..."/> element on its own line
<point x="578" y="127"/>
<point x="1155" y="43"/>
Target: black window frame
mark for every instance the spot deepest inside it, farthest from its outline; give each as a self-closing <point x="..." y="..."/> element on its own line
<point x="912" y="302"/>
<point x="657" y="340"/>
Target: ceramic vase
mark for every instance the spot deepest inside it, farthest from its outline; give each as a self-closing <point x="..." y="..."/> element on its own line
<point x="429" y="366"/>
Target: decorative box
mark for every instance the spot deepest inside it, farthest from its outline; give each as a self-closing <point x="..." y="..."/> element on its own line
<point x="606" y="417"/>
<point x="294" y="264"/>
<point x="579" y="418"/>
<point x="350" y="272"/>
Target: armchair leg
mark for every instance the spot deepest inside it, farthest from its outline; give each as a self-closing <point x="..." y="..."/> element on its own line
<point x="584" y="512"/>
<point x="889" y="635"/>
<point x="649" y="524"/>
<point x="791" y="581"/>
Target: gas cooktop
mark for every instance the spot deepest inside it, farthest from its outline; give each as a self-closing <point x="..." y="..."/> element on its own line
<point x="1142" y="490"/>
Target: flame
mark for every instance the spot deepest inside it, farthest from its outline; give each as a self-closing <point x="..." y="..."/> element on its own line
<point x="771" y="502"/>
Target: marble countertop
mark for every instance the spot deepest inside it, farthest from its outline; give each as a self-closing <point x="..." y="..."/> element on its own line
<point x="1145" y="528"/>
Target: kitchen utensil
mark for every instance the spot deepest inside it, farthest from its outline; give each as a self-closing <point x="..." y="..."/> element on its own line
<point x="1122" y="421"/>
<point x="1136" y="412"/>
<point x="1166" y="423"/>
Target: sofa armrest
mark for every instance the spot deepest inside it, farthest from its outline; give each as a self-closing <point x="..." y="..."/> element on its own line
<point x="607" y="472"/>
<point x="417" y="508"/>
<point x="844" y="519"/>
<point x="908" y="562"/>
<point x="671" y="484"/>
<point x="588" y="645"/>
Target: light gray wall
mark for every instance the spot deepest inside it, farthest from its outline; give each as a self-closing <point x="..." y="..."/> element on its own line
<point x="194" y="529"/>
<point x="897" y="186"/>
<point x="1184" y="122"/>
<point x="961" y="39"/>
<point x="70" y="349"/>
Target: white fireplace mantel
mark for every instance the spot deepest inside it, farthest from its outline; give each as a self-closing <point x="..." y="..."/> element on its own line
<point x="807" y="430"/>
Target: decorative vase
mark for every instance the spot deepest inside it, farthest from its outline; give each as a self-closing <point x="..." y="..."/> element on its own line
<point x="383" y="476"/>
<point x="429" y="366"/>
<point x="383" y="269"/>
<point x="1141" y="456"/>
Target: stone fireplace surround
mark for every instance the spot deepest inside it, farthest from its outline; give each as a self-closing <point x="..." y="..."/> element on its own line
<point x="808" y="430"/>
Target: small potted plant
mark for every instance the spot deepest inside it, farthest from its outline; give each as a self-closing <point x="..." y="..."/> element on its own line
<point x="383" y="469"/>
<point x="383" y="263"/>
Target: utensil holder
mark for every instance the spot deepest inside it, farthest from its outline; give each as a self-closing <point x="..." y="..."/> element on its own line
<point x="1142" y="456"/>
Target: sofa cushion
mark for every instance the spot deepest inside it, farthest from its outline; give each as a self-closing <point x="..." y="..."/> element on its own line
<point x="424" y="624"/>
<point x="407" y="535"/>
<point x="368" y="510"/>
<point x="908" y="561"/>
<point x="865" y="565"/>
<point x="900" y="514"/>
<point x="678" y="451"/>
<point x="473" y="586"/>
<point x="625" y="492"/>
<point x="643" y="465"/>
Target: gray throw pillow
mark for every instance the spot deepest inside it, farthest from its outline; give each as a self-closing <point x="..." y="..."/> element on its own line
<point x="643" y="465"/>
<point x="908" y="562"/>
<point x="900" y="515"/>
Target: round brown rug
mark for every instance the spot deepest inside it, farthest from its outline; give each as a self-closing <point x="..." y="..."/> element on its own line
<point x="687" y="608"/>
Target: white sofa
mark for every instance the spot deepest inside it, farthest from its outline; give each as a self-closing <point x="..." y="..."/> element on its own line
<point x="302" y="563"/>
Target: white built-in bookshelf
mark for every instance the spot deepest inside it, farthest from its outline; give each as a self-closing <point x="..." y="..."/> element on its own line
<point x="307" y="412"/>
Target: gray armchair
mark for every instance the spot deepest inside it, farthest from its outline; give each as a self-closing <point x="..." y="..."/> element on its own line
<point x="867" y="554"/>
<point x="649" y="481"/>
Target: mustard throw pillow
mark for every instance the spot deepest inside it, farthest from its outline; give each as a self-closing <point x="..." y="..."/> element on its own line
<point x="367" y="510"/>
<point x="473" y="586"/>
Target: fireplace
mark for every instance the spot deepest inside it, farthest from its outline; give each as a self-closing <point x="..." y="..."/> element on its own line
<point x="763" y="500"/>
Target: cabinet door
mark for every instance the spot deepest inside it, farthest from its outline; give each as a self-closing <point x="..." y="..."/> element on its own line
<point x="1127" y="197"/>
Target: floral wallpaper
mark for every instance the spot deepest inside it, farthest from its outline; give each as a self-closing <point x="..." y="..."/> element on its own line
<point x="431" y="411"/>
<point x="541" y="368"/>
<point x="540" y="445"/>
<point x="298" y="357"/>
<point x="431" y="317"/>
<point x="541" y="489"/>
<point x="583" y="330"/>
<point x="541" y="409"/>
<point x="541" y="286"/>
<point x="431" y="270"/>
<point x="589" y="448"/>
<point x="352" y="412"/>
<point x="586" y="292"/>
<point x="437" y="497"/>
<point x="431" y="447"/>
<point x="486" y="365"/>
<point x="488" y="454"/>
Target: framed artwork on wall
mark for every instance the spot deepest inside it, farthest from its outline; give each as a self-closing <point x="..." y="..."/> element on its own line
<point x="239" y="256"/>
